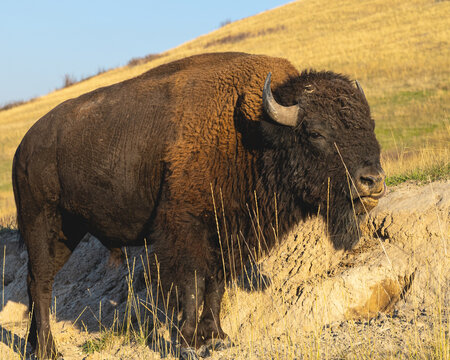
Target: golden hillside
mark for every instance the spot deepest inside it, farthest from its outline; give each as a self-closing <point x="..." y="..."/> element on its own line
<point x="399" y="50"/>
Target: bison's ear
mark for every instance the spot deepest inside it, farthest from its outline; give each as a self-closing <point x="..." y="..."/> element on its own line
<point x="283" y="115"/>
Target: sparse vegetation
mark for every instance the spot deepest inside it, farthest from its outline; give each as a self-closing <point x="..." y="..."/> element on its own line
<point x="235" y="38"/>
<point x="13" y="104"/>
<point x="225" y="22"/>
<point x="8" y="223"/>
<point x="144" y="60"/>
<point x="69" y="80"/>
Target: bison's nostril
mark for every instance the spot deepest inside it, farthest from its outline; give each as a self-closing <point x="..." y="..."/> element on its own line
<point x="368" y="181"/>
<point x="371" y="183"/>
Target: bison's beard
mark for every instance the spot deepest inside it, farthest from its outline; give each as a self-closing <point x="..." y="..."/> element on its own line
<point x="343" y="225"/>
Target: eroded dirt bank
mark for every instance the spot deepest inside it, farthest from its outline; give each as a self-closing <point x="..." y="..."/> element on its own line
<point x="391" y="292"/>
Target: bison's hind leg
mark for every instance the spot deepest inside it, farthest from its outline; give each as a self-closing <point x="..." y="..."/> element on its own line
<point x="50" y="239"/>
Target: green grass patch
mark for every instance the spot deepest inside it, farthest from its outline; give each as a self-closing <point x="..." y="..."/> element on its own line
<point x="439" y="172"/>
<point x="99" y="343"/>
<point x="411" y="118"/>
<point x="406" y="134"/>
<point x="404" y="97"/>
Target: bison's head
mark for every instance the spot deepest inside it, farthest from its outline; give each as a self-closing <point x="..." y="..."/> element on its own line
<point x="328" y="150"/>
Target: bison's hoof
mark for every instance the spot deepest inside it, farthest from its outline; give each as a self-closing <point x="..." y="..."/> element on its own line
<point x="188" y="354"/>
<point x="214" y="345"/>
<point x="218" y="344"/>
<point x="204" y="351"/>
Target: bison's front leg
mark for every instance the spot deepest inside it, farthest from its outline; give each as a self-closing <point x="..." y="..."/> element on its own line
<point x="184" y="253"/>
<point x="209" y="328"/>
<point x="193" y="288"/>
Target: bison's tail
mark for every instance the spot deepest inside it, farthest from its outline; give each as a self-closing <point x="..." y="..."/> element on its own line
<point x="17" y="194"/>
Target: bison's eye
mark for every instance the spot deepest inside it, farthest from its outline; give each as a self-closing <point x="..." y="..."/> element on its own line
<point x="315" y="135"/>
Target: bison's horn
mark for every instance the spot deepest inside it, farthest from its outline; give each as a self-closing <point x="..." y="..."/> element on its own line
<point x="284" y="115"/>
<point x="358" y="85"/>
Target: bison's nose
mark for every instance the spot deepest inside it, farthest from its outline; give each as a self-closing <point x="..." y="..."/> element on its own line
<point x="370" y="182"/>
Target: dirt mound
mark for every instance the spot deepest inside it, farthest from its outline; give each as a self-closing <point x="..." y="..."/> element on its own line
<point x="400" y="265"/>
<point x="401" y="262"/>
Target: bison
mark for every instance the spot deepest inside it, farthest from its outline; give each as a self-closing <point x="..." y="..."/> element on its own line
<point x="149" y="158"/>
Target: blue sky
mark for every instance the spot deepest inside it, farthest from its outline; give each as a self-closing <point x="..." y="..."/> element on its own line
<point x="42" y="40"/>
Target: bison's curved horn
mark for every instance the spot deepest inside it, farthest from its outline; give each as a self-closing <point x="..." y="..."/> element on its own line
<point x="358" y="85"/>
<point x="284" y="115"/>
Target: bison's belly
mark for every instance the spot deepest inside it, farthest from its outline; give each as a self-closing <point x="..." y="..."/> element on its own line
<point x="112" y="205"/>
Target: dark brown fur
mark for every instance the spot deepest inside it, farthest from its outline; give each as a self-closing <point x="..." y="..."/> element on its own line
<point x="146" y="157"/>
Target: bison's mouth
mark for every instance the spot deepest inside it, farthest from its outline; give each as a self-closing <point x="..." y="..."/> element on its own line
<point x="365" y="203"/>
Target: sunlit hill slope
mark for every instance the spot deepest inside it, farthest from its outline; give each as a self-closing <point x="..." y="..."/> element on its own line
<point x="398" y="50"/>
